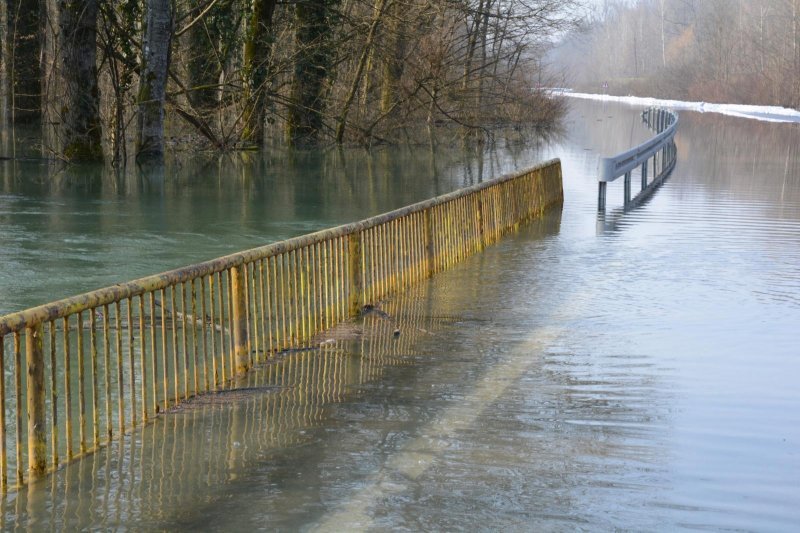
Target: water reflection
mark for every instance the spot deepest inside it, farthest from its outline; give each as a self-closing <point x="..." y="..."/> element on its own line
<point x="296" y="428"/>
<point x="67" y="230"/>
<point x="644" y="378"/>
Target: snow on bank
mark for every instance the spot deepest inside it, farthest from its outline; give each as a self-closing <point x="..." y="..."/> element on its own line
<point x="756" y="112"/>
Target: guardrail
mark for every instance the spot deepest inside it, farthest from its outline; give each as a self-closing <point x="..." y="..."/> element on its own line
<point x="87" y="369"/>
<point x="661" y="149"/>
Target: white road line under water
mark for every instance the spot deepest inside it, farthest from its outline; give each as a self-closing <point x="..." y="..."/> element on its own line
<point x="420" y="453"/>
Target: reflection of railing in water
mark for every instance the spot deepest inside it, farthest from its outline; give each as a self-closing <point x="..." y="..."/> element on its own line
<point x="99" y="364"/>
<point x="205" y="441"/>
<point x="660" y="148"/>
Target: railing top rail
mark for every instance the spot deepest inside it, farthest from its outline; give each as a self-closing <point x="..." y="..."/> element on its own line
<point x="612" y="168"/>
<point x="68" y="306"/>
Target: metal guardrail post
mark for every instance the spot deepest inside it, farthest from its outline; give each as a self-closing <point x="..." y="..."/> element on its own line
<point x="240" y="340"/>
<point x="627" y="188"/>
<point x="601" y="196"/>
<point x="644" y="175"/>
<point x="37" y="439"/>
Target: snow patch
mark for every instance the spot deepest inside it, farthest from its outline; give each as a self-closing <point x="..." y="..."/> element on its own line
<point x="755" y="112"/>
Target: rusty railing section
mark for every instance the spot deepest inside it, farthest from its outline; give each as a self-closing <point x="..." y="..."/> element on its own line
<point x="81" y="371"/>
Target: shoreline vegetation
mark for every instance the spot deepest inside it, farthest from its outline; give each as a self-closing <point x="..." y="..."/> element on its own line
<point x="127" y="80"/>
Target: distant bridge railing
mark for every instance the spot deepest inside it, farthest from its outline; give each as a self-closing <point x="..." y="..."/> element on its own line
<point x="86" y="369"/>
<point x="660" y="149"/>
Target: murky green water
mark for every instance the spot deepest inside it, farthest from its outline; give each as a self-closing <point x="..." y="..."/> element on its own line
<point x="636" y="372"/>
<point x="63" y="232"/>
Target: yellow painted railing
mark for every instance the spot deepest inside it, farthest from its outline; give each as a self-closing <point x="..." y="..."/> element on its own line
<point x="81" y="371"/>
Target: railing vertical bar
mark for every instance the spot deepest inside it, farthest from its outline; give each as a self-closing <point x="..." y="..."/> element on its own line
<point x="231" y="331"/>
<point x="298" y="298"/>
<point x="184" y="342"/>
<point x="143" y="358"/>
<point x="18" y="393"/>
<point x="274" y="292"/>
<point x="195" y="318"/>
<point x="107" y="370"/>
<point x="221" y="309"/>
<point x="262" y="309"/>
<point x="81" y="388"/>
<point x="339" y="286"/>
<point x="67" y="389"/>
<point x="254" y="322"/>
<point x="326" y="266"/>
<point x="164" y="350"/>
<point x="212" y="313"/>
<point x="370" y="253"/>
<point x="312" y="293"/>
<point x="173" y="307"/>
<point x="267" y="298"/>
<point x="53" y="394"/>
<point x="384" y="260"/>
<point x="93" y="366"/>
<point x="120" y="383"/>
<point x="281" y="259"/>
<point x="153" y="352"/>
<point x="294" y="298"/>
<point x="204" y="330"/>
<point x="308" y="291"/>
<point x="248" y="302"/>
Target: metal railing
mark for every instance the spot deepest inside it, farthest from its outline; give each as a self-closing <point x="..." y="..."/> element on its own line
<point x="661" y="149"/>
<point x="81" y="371"/>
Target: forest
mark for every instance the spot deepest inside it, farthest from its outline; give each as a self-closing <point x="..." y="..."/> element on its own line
<point x="113" y="80"/>
<point x="725" y="51"/>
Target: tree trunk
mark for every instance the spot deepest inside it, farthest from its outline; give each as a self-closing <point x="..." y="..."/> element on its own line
<point x="79" y="132"/>
<point x="379" y="8"/>
<point x="153" y="79"/>
<point x="392" y="66"/>
<point x="313" y="58"/>
<point x="21" y="69"/>
<point x="257" y="48"/>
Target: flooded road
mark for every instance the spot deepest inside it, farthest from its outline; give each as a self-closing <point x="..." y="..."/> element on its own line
<point x="637" y="371"/>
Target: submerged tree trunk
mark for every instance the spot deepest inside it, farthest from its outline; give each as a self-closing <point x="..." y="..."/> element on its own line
<point x="257" y="49"/>
<point x="153" y="80"/>
<point x="392" y="63"/>
<point x="313" y="58"/>
<point x="79" y="131"/>
<point x="21" y="68"/>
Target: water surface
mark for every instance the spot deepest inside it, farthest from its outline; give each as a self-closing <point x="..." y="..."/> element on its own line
<point x="633" y="371"/>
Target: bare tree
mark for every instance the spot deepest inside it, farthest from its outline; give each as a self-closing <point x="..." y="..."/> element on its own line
<point x="156" y="46"/>
<point x="80" y="129"/>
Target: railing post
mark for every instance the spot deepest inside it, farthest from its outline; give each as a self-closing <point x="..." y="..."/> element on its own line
<point x="601" y="196"/>
<point x="481" y="224"/>
<point x="355" y="259"/>
<point x="429" y="241"/>
<point x="240" y="340"/>
<point x="644" y="175"/>
<point x="627" y="187"/>
<point x="37" y="438"/>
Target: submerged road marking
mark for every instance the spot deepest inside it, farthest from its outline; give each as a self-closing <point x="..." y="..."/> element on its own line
<point x="420" y="453"/>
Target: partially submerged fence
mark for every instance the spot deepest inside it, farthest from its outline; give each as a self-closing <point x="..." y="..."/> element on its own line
<point x="660" y="150"/>
<point x="81" y="371"/>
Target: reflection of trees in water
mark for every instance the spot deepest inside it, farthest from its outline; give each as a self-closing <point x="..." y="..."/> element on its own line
<point x="746" y="157"/>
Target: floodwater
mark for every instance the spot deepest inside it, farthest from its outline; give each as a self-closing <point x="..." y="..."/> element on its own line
<point x="633" y="371"/>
